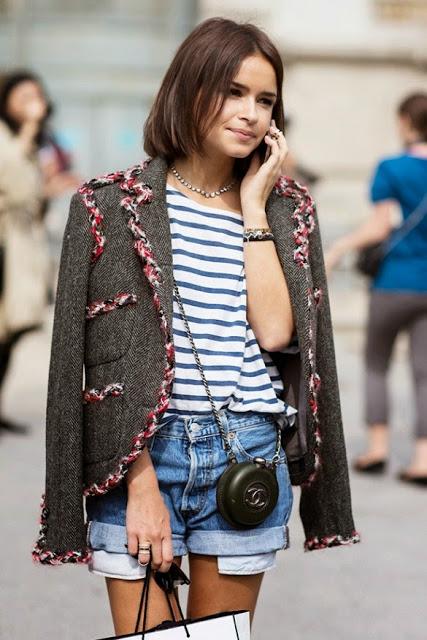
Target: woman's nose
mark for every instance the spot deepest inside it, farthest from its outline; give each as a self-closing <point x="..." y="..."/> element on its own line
<point x="249" y="111"/>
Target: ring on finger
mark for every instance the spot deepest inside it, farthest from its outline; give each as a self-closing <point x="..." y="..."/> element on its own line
<point x="144" y="551"/>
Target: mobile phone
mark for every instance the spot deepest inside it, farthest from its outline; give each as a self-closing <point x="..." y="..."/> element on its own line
<point x="263" y="151"/>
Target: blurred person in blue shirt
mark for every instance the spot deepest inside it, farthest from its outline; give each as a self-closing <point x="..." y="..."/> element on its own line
<point x="398" y="294"/>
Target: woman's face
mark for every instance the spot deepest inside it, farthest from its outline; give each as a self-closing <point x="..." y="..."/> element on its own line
<point x="26" y="101"/>
<point x="246" y="114"/>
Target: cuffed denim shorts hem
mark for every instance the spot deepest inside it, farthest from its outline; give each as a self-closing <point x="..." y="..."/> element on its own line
<point x="112" y="538"/>
<point x="104" y="536"/>
<point x="253" y="542"/>
<point x="126" y="567"/>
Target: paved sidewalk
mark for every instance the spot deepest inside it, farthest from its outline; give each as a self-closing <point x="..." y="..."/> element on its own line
<point x="373" y="590"/>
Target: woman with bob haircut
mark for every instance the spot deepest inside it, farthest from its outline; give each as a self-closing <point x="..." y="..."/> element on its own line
<point x="145" y="444"/>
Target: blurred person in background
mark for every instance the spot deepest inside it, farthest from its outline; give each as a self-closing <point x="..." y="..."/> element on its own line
<point x="28" y="179"/>
<point x="398" y="295"/>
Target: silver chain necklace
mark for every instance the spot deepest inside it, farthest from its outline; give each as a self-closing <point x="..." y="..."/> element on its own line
<point x="207" y="194"/>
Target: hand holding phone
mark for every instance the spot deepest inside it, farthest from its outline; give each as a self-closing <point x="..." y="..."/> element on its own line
<point x="259" y="180"/>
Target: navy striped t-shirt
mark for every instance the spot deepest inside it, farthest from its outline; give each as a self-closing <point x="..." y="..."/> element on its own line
<point x="208" y="265"/>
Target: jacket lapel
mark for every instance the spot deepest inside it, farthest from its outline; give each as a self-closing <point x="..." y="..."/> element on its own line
<point x="155" y="221"/>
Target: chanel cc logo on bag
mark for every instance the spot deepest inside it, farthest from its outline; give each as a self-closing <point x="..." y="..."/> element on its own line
<point x="256" y="496"/>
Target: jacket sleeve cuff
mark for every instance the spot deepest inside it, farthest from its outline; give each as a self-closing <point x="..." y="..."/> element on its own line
<point x="43" y="555"/>
<point x="312" y="544"/>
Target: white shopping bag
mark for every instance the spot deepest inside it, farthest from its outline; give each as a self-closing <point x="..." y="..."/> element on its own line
<point x="224" y="626"/>
<point x="229" y="625"/>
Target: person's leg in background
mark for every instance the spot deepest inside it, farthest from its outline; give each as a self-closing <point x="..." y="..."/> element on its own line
<point x="387" y="316"/>
<point x="6" y="349"/>
<point x="418" y="355"/>
<point x="5" y="353"/>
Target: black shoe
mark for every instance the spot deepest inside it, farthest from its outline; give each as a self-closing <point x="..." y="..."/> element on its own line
<point x="379" y="466"/>
<point x="12" y="427"/>
<point x="404" y="476"/>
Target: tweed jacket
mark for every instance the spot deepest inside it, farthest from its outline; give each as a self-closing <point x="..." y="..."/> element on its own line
<point x="112" y="357"/>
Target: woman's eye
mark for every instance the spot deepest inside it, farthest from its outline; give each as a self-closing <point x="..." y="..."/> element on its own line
<point x="267" y="101"/>
<point x="235" y="92"/>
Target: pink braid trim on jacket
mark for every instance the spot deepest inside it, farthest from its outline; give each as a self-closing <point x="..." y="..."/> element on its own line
<point x="41" y="555"/>
<point x="99" y="307"/>
<point x="138" y="193"/>
<point x="304" y="223"/>
<point x="331" y="541"/>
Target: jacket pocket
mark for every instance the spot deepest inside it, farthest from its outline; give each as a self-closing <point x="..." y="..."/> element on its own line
<point x="102" y="431"/>
<point x="108" y="336"/>
<point x="103" y="407"/>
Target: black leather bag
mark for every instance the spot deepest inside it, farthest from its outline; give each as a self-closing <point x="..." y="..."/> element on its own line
<point x="369" y="259"/>
<point x="247" y="493"/>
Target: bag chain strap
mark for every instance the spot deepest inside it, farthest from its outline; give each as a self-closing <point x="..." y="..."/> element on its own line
<point x="230" y="453"/>
<point x="412" y="221"/>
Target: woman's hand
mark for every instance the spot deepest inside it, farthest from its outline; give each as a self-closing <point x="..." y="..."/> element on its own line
<point x="34" y="112"/>
<point x="261" y="176"/>
<point x="333" y="257"/>
<point x="376" y="228"/>
<point x="147" y="517"/>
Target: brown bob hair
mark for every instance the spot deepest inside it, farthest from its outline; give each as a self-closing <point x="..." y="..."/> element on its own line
<point x="197" y="83"/>
<point x="414" y="107"/>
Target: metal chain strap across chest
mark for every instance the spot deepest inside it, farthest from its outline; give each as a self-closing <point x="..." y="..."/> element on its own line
<point x="247" y="492"/>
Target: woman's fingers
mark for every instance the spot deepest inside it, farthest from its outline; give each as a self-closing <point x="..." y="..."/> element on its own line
<point x="132" y="544"/>
<point x="156" y="553"/>
<point x="159" y="550"/>
<point x="279" y="149"/>
<point x="282" y="145"/>
<point x="167" y="553"/>
<point x="274" y="151"/>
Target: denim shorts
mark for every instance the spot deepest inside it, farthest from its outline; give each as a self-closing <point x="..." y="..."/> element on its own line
<point x="188" y="456"/>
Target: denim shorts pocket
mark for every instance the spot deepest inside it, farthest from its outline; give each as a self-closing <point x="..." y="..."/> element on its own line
<point x="256" y="441"/>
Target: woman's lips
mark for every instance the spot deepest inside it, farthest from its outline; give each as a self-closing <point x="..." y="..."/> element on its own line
<point x="241" y="135"/>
